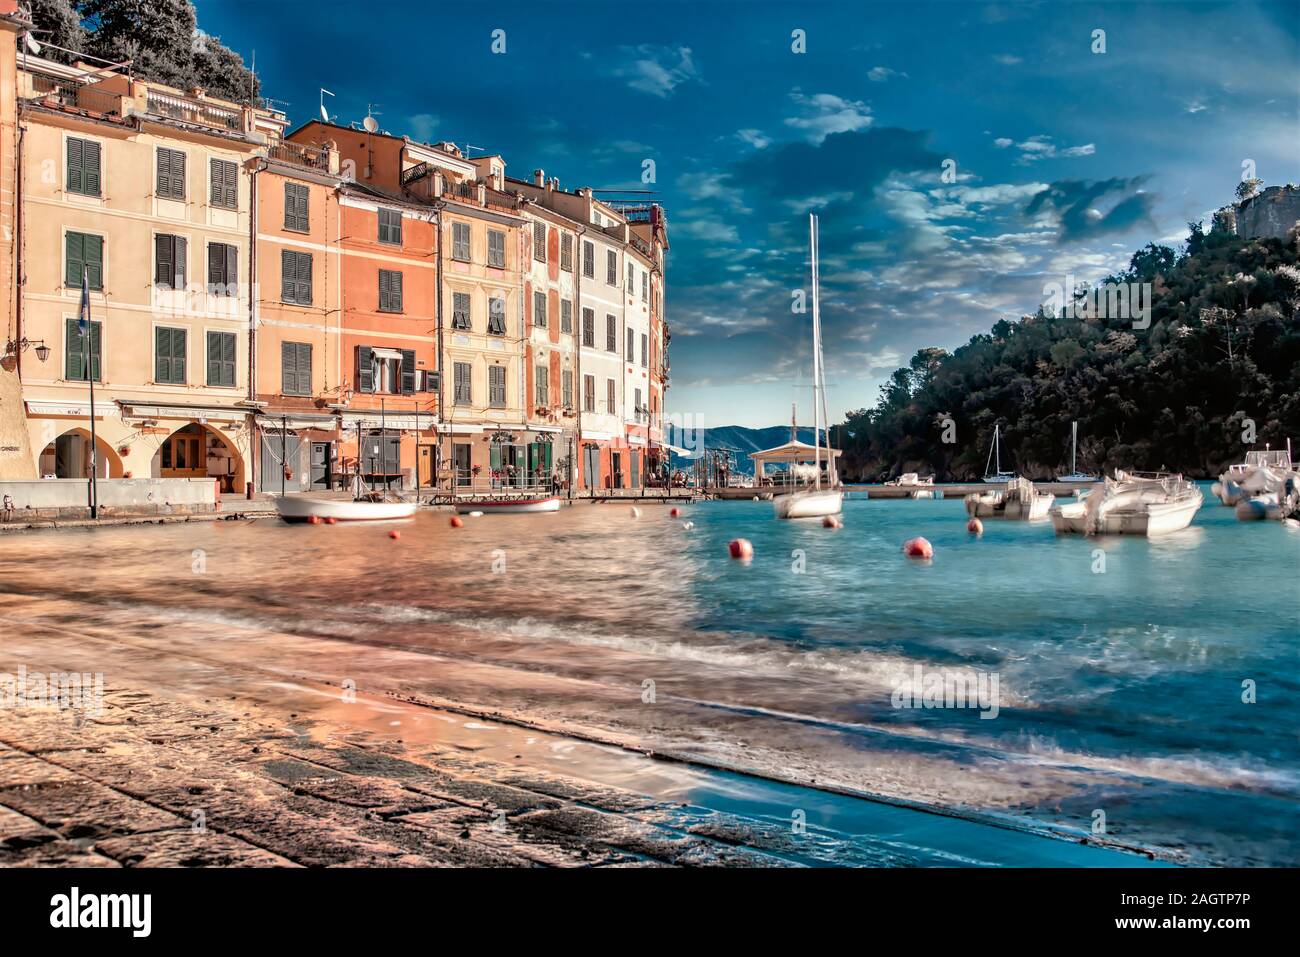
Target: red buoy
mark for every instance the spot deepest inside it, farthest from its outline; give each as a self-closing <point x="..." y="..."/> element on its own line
<point x="918" y="548"/>
<point x="975" y="527"/>
<point x="674" y="511"/>
<point x="331" y="520"/>
<point x="832" y="521"/>
<point x="741" y="548"/>
<point x="456" y="521"/>
<point x="394" y="534"/>
<point x="313" y="519"/>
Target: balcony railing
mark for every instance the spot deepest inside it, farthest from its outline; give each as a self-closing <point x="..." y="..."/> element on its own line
<point x="193" y="111"/>
<point x="415" y="172"/>
<point x="70" y="95"/>
<point x="467" y="191"/>
<point x="300" y="154"/>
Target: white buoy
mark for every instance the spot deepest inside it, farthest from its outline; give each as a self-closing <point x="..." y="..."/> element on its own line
<point x="636" y="512"/>
<point x="476" y="514"/>
<point x="688" y="525"/>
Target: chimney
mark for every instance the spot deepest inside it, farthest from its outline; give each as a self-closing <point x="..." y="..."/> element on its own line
<point x="555" y="184"/>
<point x="539" y="177"/>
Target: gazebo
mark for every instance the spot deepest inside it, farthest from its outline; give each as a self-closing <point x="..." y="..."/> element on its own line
<point x="793" y="452"/>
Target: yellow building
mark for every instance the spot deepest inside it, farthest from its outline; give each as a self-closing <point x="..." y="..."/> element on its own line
<point x="145" y="190"/>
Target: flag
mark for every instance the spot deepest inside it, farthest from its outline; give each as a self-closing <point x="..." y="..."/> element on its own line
<point x="83" y="323"/>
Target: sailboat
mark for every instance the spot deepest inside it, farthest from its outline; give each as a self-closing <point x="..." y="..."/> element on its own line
<point x="818" y="501"/>
<point x="995" y="454"/>
<point x="1075" y="475"/>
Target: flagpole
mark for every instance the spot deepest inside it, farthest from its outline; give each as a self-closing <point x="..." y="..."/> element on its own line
<point x="90" y="378"/>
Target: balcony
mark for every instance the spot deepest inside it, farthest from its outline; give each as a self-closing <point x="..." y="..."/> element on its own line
<point x="69" y="96"/>
<point x="194" y="112"/>
<point x="300" y="154"/>
<point x="415" y="172"/>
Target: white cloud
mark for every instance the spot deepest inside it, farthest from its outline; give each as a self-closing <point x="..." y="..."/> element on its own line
<point x="422" y="126"/>
<point x="711" y="230"/>
<point x="657" y="70"/>
<point x="826" y="113"/>
<point x="1002" y="142"/>
<point x="755" y="138"/>
<point x="1007" y="59"/>
<point x="879" y="74"/>
<point x="1040" y="146"/>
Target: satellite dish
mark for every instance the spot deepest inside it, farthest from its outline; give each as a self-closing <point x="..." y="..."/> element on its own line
<point x="370" y="123"/>
<point x="33" y="47"/>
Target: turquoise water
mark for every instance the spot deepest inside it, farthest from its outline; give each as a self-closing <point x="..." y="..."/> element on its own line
<point x="1120" y="662"/>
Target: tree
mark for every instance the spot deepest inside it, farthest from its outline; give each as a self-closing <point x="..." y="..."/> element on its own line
<point x="57" y="22"/>
<point x="1248" y="188"/>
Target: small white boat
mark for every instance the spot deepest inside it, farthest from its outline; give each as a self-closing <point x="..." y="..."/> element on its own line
<point x="818" y="501"/>
<point x="1131" y="504"/>
<point x="1019" y="500"/>
<point x="911" y="479"/>
<point x="1074" y="474"/>
<point x="1263" y="473"/>
<point x="295" y="508"/>
<point x="550" y="503"/>
<point x="995" y="455"/>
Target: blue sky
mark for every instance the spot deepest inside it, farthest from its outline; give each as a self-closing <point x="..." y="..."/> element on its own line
<point x="1066" y="160"/>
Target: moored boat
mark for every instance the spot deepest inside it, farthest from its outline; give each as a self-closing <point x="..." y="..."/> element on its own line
<point x="297" y="508"/>
<point x="549" y="503"/>
<point x="1263" y="473"/>
<point x="992" y="476"/>
<point x="1148" y="504"/>
<point x="1019" y="500"/>
<point x="1074" y="475"/>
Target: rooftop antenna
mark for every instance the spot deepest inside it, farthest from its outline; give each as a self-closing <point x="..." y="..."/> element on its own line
<point x="370" y="123"/>
<point x="471" y="146"/>
<point x="324" y="113"/>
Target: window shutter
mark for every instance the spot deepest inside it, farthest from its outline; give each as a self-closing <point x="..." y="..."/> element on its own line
<point x="74" y="258"/>
<point x="162" y="348"/>
<point x="76" y="166"/>
<point x="90" y="168"/>
<point x="232" y="269"/>
<point x="164" y="263"/>
<point x="181" y="247"/>
<point x="288" y="367"/>
<point x="216" y="266"/>
<point x="288" y="272"/>
<point x="214" y="359"/>
<point x="365" y="370"/>
<point x="73" y="368"/>
<point x="303" y="364"/>
<point x="303" y="290"/>
<point x="408" y="371"/>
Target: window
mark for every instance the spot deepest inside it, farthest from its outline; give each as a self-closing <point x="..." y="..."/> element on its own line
<point x="169" y="261"/>
<point x="496" y="316"/>
<point x="390" y="371"/>
<point x="636" y="407"/>
<point x="84" y="252"/>
<point x="390" y="290"/>
<point x="463" y="393"/>
<point x="631" y="346"/>
<point x="169" y="355"/>
<point x="460" y="241"/>
<point x="539" y="242"/>
<point x="611" y="396"/>
<point x="589" y="260"/>
<point x="539" y="309"/>
<point x="589" y="328"/>
<point x="611" y="334"/>
<point x="460" y="311"/>
<point x="566" y="316"/>
<point x="75" y="349"/>
<point x="295" y="368"/>
<point x="611" y="267"/>
<point x="543" y="386"/>
<point x="589" y="393"/>
<point x="631" y="278"/>
<point x="390" y="226"/>
<point x="223" y="190"/>
<point x="223" y="269"/>
<point x="645" y="287"/>
<point x="497" y="387"/>
<point x="566" y="388"/>
<point x="496" y="249"/>
<point x="221" y="359"/>
<point x="645" y="350"/>
<point x="83" y="167"/>
<point x="171" y="173"/>
<point x="295" y="277"/>
<point x="296" y="215"/>
<point x="566" y="252"/>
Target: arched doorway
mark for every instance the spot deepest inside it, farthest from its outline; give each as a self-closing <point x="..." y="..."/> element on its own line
<point x="68" y="456"/>
<point x="199" y="451"/>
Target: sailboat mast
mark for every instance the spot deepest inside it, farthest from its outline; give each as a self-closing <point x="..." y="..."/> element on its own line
<point x="1074" y="445"/>
<point x="817" y="353"/>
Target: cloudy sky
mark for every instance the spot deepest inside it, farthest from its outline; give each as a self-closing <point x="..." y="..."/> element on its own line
<point x="1061" y="158"/>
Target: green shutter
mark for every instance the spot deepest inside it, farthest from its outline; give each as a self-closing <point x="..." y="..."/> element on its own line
<point x="93" y="257"/>
<point x="162" y="348"/>
<point x="73" y="368"/>
<point x="304" y="368"/>
<point x="76" y="166"/>
<point x="74" y="258"/>
<point x="164" y="260"/>
<point x="288" y="374"/>
<point x="408" y="371"/>
<point x="365" y="371"/>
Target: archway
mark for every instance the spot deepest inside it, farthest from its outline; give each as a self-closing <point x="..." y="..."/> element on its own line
<point x="68" y="456"/>
<point x="200" y="451"/>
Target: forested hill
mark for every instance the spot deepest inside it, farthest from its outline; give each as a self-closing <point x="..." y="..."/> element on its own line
<point x="1223" y="347"/>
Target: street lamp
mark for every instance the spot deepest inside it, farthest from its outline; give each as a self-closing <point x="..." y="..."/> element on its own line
<point x="15" y="346"/>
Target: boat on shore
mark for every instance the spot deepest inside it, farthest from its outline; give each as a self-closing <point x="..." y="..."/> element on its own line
<point x="1019" y="501"/>
<point x="1132" y="503"/>
<point x="499" y="506"/>
<point x="297" y="508"/>
<point x="818" y="501"/>
<point x="991" y="476"/>
<point x="1074" y="475"/>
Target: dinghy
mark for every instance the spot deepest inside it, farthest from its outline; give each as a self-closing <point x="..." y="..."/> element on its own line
<point x="294" y="508"/>
<point x="550" y="503"/>
<point x="816" y="502"/>
<point x="1148" y="504"/>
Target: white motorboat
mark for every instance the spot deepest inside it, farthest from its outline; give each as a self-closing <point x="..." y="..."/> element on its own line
<point x="911" y="479"/>
<point x="1263" y="473"/>
<point x="296" y="508"/>
<point x="1074" y="474"/>
<point x="1131" y="504"/>
<point x="995" y="455"/>
<point x="1019" y="500"/>
<point x="818" y="501"/>
<point x="549" y="503"/>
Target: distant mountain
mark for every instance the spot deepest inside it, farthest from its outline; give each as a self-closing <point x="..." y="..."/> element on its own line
<point x="740" y="439"/>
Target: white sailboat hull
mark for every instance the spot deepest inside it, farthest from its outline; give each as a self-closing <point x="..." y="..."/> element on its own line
<point x="809" y="504"/>
<point x="299" y="509"/>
